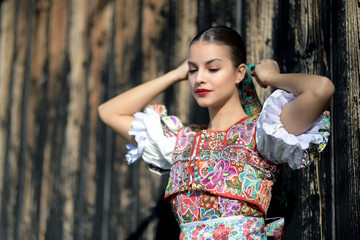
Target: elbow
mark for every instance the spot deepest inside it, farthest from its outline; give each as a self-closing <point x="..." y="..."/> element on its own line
<point x="325" y="89"/>
<point x="329" y="86"/>
<point x="102" y="112"/>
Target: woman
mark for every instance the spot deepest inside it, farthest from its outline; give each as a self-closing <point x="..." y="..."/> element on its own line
<point x="221" y="173"/>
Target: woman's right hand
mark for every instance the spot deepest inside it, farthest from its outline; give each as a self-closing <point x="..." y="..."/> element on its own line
<point x="181" y="72"/>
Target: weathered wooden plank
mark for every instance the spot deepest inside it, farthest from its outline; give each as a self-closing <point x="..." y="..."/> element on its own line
<point x="180" y="29"/>
<point x="46" y="120"/>
<point x="14" y="168"/>
<point x="52" y="91"/>
<point x="78" y="44"/>
<point x="62" y="172"/>
<point x="7" y="41"/>
<point x="259" y="17"/>
<point x="99" y="71"/>
<point x="127" y="69"/>
<point x="25" y="192"/>
<point x="346" y="125"/>
<point x="308" y="51"/>
<point x="153" y="26"/>
<point x="309" y="55"/>
<point x="293" y="33"/>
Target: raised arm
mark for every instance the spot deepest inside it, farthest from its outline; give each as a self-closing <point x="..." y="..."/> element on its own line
<point x="118" y="112"/>
<point x="313" y="95"/>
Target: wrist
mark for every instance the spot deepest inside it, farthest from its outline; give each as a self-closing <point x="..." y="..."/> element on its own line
<point x="270" y="79"/>
<point x="171" y="77"/>
<point x="176" y="75"/>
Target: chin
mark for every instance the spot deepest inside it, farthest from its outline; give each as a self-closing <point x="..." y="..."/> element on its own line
<point x="205" y="102"/>
<point x="201" y="104"/>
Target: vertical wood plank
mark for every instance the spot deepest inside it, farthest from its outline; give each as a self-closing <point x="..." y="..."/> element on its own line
<point x="101" y="35"/>
<point x="346" y="125"/>
<point x="63" y="173"/>
<point x="12" y="195"/>
<point x="303" y="48"/>
<point x="47" y="98"/>
<point x="260" y="20"/>
<point x="25" y="191"/>
<point x="180" y="30"/>
<point x="7" y="46"/>
<point x="153" y="26"/>
<point x="293" y="33"/>
<point x="127" y="68"/>
<point x="70" y="154"/>
<point x="8" y="23"/>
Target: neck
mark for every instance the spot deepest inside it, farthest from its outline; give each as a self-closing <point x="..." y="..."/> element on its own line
<point x="224" y="117"/>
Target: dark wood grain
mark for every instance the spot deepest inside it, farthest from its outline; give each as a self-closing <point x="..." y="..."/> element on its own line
<point x="63" y="173"/>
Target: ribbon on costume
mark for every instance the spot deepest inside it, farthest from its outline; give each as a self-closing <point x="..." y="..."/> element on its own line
<point x="275" y="229"/>
<point x="252" y="104"/>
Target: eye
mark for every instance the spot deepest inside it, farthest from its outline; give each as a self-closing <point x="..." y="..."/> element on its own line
<point x="213" y="69"/>
<point x="192" y="71"/>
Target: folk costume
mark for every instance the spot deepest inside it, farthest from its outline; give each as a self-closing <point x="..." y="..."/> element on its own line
<point x="220" y="181"/>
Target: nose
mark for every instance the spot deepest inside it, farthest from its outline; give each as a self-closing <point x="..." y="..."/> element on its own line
<point x="199" y="77"/>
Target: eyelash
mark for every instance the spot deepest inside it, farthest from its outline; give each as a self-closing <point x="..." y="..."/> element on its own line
<point x="213" y="70"/>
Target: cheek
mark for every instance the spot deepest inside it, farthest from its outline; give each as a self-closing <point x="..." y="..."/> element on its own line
<point x="191" y="82"/>
<point x="191" y="86"/>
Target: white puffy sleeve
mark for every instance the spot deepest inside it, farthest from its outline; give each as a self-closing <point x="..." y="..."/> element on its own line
<point x="155" y="134"/>
<point x="279" y="146"/>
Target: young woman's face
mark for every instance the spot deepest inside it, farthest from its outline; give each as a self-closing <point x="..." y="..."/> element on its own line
<point x="212" y="77"/>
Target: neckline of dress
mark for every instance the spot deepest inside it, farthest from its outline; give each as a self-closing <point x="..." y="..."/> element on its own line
<point x="240" y="121"/>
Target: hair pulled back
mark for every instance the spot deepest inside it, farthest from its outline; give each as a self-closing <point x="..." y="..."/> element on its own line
<point x="225" y="36"/>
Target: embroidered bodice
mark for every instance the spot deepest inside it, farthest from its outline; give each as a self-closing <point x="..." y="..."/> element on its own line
<point x="224" y="163"/>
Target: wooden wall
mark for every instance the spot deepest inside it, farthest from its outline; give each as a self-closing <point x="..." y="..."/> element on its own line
<point x="63" y="173"/>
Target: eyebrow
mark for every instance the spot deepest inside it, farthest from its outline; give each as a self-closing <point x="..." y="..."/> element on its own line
<point x="207" y="62"/>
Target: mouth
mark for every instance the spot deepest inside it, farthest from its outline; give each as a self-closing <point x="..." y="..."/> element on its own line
<point x="202" y="91"/>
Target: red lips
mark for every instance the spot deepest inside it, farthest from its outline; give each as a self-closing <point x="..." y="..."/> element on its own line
<point x="202" y="91"/>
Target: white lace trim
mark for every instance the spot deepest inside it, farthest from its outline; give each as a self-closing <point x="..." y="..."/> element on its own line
<point x="274" y="142"/>
<point x="154" y="148"/>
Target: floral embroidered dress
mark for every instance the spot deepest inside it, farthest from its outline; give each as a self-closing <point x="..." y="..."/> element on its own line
<point x="220" y="181"/>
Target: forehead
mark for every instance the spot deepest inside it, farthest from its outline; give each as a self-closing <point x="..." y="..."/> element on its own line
<point x="203" y="51"/>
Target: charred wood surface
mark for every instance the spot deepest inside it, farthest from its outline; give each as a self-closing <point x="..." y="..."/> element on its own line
<point x="63" y="173"/>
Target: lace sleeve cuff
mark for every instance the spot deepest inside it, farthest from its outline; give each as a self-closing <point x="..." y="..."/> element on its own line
<point x="279" y="146"/>
<point x="155" y="134"/>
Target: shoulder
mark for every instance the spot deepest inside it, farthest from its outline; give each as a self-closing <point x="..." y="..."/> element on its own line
<point x="189" y="130"/>
<point x="158" y="113"/>
<point x="243" y="132"/>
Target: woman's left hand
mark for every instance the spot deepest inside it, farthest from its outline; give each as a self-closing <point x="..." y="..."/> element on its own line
<point x="264" y="70"/>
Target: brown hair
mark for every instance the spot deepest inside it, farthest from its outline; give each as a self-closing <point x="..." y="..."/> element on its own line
<point x="225" y="36"/>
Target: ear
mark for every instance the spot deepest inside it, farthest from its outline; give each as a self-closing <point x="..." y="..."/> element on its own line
<point x="240" y="73"/>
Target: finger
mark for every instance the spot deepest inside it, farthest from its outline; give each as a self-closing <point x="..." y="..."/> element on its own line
<point x="259" y="82"/>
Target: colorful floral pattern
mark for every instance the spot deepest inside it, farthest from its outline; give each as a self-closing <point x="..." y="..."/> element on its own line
<point x="275" y="229"/>
<point x="314" y="149"/>
<point x="252" y="104"/>
<point x="215" y="178"/>
<point x="223" y="163"/>
<point x="233" y="228"/>
<point x="209" y="207"/>
<point x="225" y="229"/>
